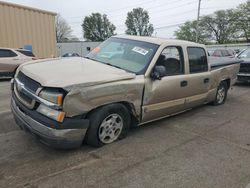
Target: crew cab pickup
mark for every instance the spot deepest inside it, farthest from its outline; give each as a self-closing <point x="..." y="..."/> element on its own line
<point x="127" y="80"/>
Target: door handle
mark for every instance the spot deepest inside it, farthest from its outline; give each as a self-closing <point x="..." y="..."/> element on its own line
<point x="206" y="80"/>
<point x="184" y="83"/>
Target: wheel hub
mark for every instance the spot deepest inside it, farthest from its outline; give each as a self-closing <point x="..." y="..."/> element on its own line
<point x="110" y="128"/>
<point x="221" y="95"/>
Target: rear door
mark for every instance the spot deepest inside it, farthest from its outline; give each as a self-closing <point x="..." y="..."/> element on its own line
<point x="199" y="77"/>
<point x="8" y="60"/>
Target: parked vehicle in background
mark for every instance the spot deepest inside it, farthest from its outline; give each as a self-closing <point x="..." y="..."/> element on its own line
<point x="10" y="59"/>
<point x="223" y="53"/>
<point x="237" y="52"/>
<point x="244" y="73"/>
<point x="71" y="55"/>
<point x="98" y="98"/>
<point x="210" y="52"/>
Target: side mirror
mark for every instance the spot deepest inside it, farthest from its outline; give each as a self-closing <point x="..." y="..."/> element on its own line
<point x="158" y="73"/>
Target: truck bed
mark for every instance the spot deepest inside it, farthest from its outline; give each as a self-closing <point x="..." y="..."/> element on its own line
<point x="217" y="62"/>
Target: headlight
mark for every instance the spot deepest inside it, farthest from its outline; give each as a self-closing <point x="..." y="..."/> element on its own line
<point x="51" y="113"/>
<point x="53" y="95"/>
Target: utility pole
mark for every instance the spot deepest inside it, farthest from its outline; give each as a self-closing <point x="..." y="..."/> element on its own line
<point x="198" y="18"/>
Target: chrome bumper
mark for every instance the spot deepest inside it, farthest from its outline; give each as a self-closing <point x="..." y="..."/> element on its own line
<point x="59" y="138"/>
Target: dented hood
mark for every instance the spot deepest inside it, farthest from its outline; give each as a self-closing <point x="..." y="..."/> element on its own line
<point x="67" y="72"/>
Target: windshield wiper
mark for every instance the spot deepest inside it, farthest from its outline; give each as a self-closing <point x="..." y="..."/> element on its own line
<point x="87" y="58"/>
<point x="113" y="65"/>
<point x="106" y="63"/>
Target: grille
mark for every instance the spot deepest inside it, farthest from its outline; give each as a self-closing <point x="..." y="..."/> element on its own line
<point x="244" y="68"/>
<point x="25" y="97"/>
<point x="32" y="85"/>
<point x="29" y="84"/>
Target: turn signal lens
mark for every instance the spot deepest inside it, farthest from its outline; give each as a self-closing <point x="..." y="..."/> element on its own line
<point x="51" y="113"/>
<point x="59" y="100"/>
<point x="60" y="117"/>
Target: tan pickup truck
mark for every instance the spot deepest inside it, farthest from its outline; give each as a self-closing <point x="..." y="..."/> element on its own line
<point x="127" y="80"/>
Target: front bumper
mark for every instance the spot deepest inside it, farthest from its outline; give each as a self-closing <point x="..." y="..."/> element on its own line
<point x="57" y="137"/>
<point x="243" y="77"/>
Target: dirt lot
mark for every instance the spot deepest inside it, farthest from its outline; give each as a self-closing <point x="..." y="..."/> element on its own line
<point x="206" y="147"/>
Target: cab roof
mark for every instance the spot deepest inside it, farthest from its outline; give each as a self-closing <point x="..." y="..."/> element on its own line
<point x="159" y="41"/>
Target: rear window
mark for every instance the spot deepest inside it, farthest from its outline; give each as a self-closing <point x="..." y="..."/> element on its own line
<point x="7" y="53"/>
<point x="27" y="53"/>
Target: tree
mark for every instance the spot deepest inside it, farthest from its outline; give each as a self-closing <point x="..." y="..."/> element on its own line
<point x="63" y="30"/>
<point x="242" y="13"/>
<point x="188" y="32"/>
<point x="137" y="23"/>
<point x="97" y="27"/>
<point x="219" y="26"/>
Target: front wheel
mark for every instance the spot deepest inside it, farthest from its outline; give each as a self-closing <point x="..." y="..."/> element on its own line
<point x="108" y="124"/>
<point x="221" y="94"/>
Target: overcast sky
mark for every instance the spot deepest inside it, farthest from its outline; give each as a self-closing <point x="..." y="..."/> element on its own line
<point x="165" y="15"/>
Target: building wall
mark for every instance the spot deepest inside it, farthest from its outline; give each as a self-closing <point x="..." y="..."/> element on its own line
<point x="20" y="25"/>
<point x="75" y="47"/>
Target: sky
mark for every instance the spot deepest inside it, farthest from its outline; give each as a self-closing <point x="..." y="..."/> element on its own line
<point x="165" y="15"/>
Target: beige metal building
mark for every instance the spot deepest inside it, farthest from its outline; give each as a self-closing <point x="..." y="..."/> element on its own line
<point x="21" y="25"/>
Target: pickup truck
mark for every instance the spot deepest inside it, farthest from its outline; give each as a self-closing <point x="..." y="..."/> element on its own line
<point x="244" y="72"/>
<point x="95" y="100"/>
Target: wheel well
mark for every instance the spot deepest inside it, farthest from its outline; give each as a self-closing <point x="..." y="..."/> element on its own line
<point x="129" y="106"/>
<point x="228" y="82"/>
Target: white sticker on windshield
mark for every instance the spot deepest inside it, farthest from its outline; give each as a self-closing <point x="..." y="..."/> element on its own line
<point x="140" y="50"/>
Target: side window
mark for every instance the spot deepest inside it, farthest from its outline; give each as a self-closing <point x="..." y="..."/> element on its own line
<point x="7" y="53"/>
<point x="28" y="53"/>
<point x="197" y="60"/>
<point x="172" y="59"/>
<point x="224" y="53"/>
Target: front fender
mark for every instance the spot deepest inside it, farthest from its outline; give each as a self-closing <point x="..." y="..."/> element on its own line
<point x="81" y="100"/>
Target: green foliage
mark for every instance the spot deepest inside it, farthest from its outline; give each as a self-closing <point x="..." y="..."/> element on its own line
<point x="97" y="27"/>
<point x="222" y="26"/>
<point x="138" y="23"/>
<point x="242" y="14"/>
<point x="188" y="32"/>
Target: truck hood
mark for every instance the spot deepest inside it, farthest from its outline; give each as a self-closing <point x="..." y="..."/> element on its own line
<point x="68" y="72"/>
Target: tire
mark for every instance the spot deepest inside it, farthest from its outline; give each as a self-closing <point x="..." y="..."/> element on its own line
<point x="221" y="94"/>
<point x="108" y="124"/>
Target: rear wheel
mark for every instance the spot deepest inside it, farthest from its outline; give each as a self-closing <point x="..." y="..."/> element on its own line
<point x="221" y="94"/>
<point x="108" y="124"/>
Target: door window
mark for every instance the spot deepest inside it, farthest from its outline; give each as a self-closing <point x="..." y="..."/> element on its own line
<point x="7" y="53"/>
<point x="30" y="54"/>
<point x="172" y="59"/>
<point x="197" y="60"/>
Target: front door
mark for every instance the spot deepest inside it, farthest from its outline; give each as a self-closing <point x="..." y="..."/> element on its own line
<point x="166" y="96"/>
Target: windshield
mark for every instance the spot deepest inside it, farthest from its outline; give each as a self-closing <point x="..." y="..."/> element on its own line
<point x="130" y="55"/>
<point x="245" y="54"/>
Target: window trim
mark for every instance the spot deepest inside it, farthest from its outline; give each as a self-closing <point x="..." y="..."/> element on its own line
<point x="189" y="62"/>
